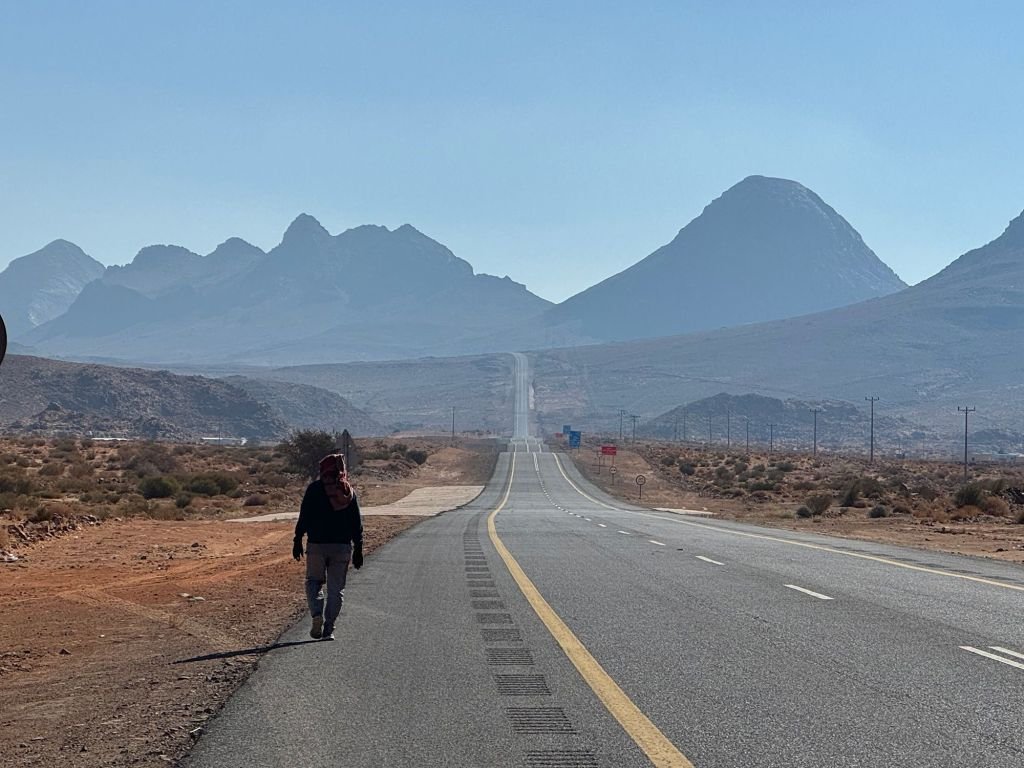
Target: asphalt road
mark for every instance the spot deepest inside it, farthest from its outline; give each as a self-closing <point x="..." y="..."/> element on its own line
<point x="578" y="631"/>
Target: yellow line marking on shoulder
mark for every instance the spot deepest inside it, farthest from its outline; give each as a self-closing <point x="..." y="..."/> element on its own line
<point x="804" y="544"/>
<point x="659" y="750"/>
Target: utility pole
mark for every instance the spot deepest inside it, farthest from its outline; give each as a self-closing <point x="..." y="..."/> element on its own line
<point x="965" y="410"/>
<point x="815" y="412"/>
<point x="771" y="438"/>
<point x="871" y="456"/>
<point x="453" y="425"/>
<point x="709" y="431"/>
<point x="684" y="425"/>
<point x="675" y="431"/>
<point x="748" y="434"/>
<point x="728" y="429"/>
<point x="621" y="414"/>
<point x="634" y="417"/>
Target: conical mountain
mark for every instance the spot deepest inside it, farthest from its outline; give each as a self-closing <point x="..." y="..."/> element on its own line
<point x="42" y="285"/>
<point x="951" y="340"/>
<point x="766" y="249"/>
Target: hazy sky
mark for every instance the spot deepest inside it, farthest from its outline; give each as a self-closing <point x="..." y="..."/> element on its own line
<point x="556" y="142"/>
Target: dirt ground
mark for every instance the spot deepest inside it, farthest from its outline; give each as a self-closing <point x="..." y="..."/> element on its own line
<point x="127" y="619"/>
<point x="118" y="642"/>
<point x="917" y="501"/>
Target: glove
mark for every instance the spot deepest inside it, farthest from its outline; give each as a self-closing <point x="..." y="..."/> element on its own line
<point x="297" y="549"/>
<point x="357" y="556"/>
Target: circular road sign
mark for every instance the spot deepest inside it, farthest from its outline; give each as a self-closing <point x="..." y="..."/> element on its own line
<point x="640" y="479"/>
<point x="613" y="470"/>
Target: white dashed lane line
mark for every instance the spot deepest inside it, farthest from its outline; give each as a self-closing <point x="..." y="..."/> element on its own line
<point x="601" y="525"/>
<point x="995" y="657"/>
<point x="656" y="542"/>
<point x="809" y="592"/>
<point x="709" y="560"/>
<point x="625" y="533"/>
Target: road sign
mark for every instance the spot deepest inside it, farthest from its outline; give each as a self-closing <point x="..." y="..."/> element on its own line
<point x="574" y="439"/>
<point x="609" y="450"/>
<point x="566" y="429"/>
<point x="640" y="480"/>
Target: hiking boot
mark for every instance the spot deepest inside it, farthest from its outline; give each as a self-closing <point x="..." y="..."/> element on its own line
<point x="317" y="630"/>
<point x="328" y="633"/>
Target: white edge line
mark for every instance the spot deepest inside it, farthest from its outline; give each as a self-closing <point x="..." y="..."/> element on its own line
<point x="602" y="525"/>
<point x="709" y="560"/>
<point x="1007" y="651"/>
<point x="808" y="592"/>
<point x="625" y="533"/>
<point x="656" y="542"/>
<point x="992" y="656"/>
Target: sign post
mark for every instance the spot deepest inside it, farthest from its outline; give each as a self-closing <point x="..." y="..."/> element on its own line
<point x="640" y="480"/>
<point x="575" y="439"/>
<point x="613" y="470"/>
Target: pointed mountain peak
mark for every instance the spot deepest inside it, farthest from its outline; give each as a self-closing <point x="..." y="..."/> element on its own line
<point x="1014" y="233"/>
<point x="236" y="247"/>
<point x="305" y="228"/>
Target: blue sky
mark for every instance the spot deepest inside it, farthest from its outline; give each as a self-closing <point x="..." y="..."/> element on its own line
<point x="557" y="143"/>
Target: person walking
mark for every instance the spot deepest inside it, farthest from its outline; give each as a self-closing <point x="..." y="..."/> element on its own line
<point x="329" y="518"/>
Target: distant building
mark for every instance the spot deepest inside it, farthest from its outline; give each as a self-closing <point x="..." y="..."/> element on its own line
<point x="223" y="440"/>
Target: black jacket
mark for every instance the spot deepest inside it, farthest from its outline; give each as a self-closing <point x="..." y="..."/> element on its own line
<point x="323" y="525"/>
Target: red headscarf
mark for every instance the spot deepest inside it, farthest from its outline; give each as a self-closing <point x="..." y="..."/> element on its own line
<point x="335" y="479"/>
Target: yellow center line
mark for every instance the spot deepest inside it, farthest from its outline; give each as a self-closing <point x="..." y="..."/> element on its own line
<point x="659" y="750"/>
<point x="806" y="545"/>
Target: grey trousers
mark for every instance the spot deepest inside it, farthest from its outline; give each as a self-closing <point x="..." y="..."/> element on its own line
<point x="326" y="564"/>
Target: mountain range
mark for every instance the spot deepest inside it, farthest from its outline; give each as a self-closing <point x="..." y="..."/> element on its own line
<point x="767" y="248"/>
<point x="951" y="340"/>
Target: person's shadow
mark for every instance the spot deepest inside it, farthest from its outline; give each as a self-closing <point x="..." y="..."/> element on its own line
<point x="259" y="650"/>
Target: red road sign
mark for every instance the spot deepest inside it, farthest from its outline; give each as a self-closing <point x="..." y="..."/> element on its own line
<point x="609" y="450"/>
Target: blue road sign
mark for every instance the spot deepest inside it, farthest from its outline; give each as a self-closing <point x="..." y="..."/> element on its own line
<point x="574" y="439"/>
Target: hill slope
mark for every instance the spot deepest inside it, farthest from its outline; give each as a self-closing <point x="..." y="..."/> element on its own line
<point x="42" y="285"/>
<point x="766" y="249"/>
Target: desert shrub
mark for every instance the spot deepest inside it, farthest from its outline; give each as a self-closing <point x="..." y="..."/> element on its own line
<point x="926" y="491"/>
<point x="181" y="450"/>
<point x="416" y="455"/>
<point x="18" y="483"/>
<point x="740" y="467"/>
<point x="851" y="494"/>
<point x="1020" y="517"/>
<point x="757" y="469"/>
<point x="23" y="462"/>
<point x="273" y="479"/>
<point x="182" y="500"/>
<point x="146" y="459"/>
<point x="668" y="461"/>
<point x="8" y="500"/>
<point x="64" y="445"/>
<point x="804" y="512"/>
<point x="723" y="473"/>
<point x="256" y="500"/>
<point x="971" y="495"/>
<point x="80" y="469"/>
<point x="997" y="507"/>
<point x="210" y="483"/>
<point x="785" y="466"/>
<point x="805" y="485"/>
<point x="304" y="449"/>
<point x="158" y="487"/>
<point x="994" y="485"/>
<point x="878" y="511"/>
<point x="818" y="503"/>
<point x="53" y="469"/>
<point x="42" y="515"/>
<point x="871" y="487"/>
<point x="760" y="485"/>
<point x="686" y="468"/>
<point x="900" y="509"/>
